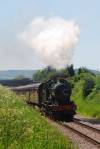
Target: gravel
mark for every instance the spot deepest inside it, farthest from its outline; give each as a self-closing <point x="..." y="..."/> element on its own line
<point x="86" y="131"/>
<point x="79" y="142"/>
<point x="90" y="121"/>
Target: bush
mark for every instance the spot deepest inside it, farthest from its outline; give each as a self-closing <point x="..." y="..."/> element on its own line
<point x="87" y="87"/>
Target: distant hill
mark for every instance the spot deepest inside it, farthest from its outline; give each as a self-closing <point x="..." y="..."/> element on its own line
<point x="11" y="74"/>
<point x="95" y="71"/>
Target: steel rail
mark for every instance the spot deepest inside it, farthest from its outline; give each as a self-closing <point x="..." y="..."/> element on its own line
<point x="81" y="134"/>
<point x="78" y="121"/>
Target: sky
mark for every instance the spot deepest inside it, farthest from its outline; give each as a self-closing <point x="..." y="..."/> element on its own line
<point x="16" y="15"/>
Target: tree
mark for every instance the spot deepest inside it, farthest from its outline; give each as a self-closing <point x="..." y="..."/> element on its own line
<point x="84" y="70"/>
<point x="45" y="74"/>
<point x="71" y="70"/>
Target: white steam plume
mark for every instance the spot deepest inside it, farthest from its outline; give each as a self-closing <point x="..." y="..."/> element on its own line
<point x="53" y="39"/>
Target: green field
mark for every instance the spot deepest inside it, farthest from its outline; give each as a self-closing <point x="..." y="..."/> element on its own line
<point x="22" y="127"/>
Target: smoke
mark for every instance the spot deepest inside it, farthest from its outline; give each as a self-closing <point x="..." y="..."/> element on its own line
<point x="53" y="40"/>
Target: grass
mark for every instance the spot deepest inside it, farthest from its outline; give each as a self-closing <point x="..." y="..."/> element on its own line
<point x="22" y="127"/>
<point x="90" y="105"/>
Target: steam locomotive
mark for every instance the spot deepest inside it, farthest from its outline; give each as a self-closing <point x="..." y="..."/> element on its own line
<point x="54" y="100"/>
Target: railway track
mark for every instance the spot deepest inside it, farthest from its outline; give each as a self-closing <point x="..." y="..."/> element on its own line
<point x="87" y="136"/>
<point x="79" y="122"/>
<point x="92" y="136"/>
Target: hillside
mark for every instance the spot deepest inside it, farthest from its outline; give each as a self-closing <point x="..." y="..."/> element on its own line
<point x="22" y="127"/>
<point x="86" y="94"/>
<point x="11" y="74"/>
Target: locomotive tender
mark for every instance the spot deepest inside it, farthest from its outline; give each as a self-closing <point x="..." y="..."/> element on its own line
<point x="54" y="100"/>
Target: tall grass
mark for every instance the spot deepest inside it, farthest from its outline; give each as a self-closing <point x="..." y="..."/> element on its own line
<point x="22" y="127"/>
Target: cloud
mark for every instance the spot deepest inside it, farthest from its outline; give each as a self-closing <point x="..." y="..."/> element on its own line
<point x="52" y="39"/>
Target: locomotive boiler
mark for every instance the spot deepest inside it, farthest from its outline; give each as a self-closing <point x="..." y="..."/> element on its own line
<point x="54" y="99"/>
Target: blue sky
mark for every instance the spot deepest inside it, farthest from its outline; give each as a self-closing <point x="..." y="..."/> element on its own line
<point x="15" y="15"/>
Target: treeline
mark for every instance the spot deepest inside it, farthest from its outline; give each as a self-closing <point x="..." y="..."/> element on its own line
<point x="89" y="79"/>
<point x="71" y="75"/>
<point x="50" y="73"/>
